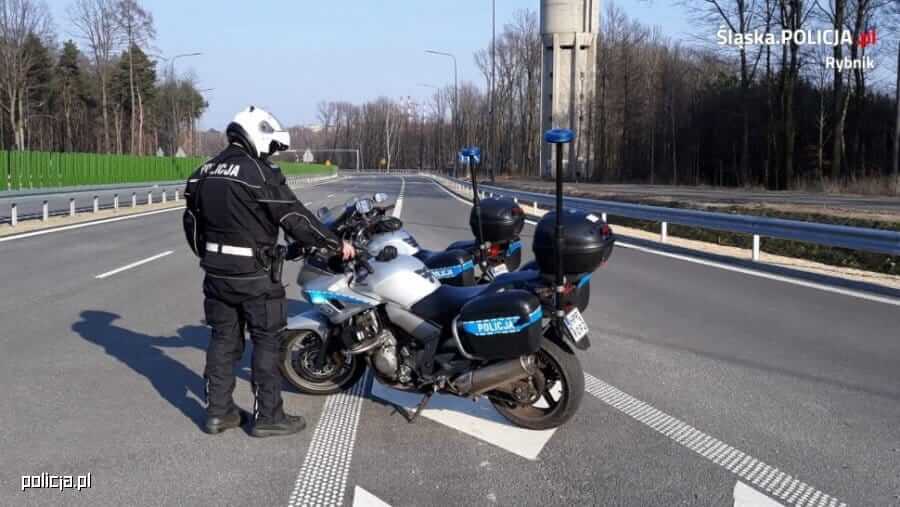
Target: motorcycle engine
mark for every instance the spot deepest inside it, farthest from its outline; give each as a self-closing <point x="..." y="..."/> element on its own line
<point x="392" y="361"/>
<point x="385" y="357"/>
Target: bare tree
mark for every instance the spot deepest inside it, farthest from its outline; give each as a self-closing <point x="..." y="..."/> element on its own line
<point x="895" y="172"/>
<point x="390" y="129"/>
<point x="793" y="16"/>
<point x="836" y="12"/>
<point x="325" y="113"/>
<point x="137" y="26"/>
<point x="740" y="17"/>
<point x="96" y="23"/>
<point x="19" y="20"/>
<point x="820" y="76"/>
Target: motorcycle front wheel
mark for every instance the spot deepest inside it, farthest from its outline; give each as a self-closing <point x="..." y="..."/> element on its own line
<point x="299" y="350"/>
<point x="552" y="397"/>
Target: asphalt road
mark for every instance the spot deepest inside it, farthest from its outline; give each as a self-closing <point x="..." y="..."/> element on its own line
<point x="104" y="376"/>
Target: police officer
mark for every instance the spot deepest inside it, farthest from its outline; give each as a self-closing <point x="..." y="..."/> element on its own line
<point x="236" y="203"/>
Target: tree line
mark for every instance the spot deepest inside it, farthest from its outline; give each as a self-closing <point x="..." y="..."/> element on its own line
<point x="99" y="91"/>
<point x="666" y="111"/>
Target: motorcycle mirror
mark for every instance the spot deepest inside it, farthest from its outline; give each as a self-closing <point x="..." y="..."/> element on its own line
<point x="322" y="212"/>
<point x="363" y="206"/>
<point x="380" y="197"/>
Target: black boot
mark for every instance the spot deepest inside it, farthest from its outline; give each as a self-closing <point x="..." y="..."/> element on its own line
<point x="215" y="425"/>
<point x="288" y="426"/>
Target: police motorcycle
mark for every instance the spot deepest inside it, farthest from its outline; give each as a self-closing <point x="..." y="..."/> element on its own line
<point x="496" y="249"/>
<point x="512" y="341"/>
<point x="498" y="222"/>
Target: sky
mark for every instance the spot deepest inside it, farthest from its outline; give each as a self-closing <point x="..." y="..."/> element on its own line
<point x="287" y="55"/>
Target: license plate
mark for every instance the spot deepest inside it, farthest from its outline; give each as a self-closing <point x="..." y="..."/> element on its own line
<point x="575" y="325"/>
<point x="499" y="269"/>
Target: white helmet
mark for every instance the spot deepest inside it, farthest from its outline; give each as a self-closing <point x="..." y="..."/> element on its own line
<point x="259" y="132"/>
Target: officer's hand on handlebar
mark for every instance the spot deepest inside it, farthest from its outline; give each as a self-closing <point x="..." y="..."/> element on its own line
<point x="295" y="251"/>
<point x="347" y="251"/>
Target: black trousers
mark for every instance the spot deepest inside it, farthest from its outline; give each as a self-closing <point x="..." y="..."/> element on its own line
<point x="232" y="305"/>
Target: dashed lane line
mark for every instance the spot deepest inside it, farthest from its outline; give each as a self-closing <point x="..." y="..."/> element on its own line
<point x="760" y="475"/>
<point x="133" y="265"/>
<point x="398" y="205"/>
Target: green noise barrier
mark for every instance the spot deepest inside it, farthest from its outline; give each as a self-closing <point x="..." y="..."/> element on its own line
<point x="24" y="170"/>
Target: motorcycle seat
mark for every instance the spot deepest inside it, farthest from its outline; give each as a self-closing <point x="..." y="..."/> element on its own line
<point x="468" y="245"/>
<point x="442" y="305"/>
<point x="426" y="255"/>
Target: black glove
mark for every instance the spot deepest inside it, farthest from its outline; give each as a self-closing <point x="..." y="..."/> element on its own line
<point x="294" y="251"/>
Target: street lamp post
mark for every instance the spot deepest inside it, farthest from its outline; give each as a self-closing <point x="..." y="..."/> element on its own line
<point x="455" y="95"/>
<point x="491" y="154"/>
<point x="174" y="92"/>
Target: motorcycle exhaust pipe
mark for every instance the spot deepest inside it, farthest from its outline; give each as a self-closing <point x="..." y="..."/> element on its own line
<point x="496" y="375"/>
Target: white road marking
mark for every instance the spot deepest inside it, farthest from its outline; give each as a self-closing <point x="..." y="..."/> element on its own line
<point x="88" y="224"/>
<point x="803" y="283"/>
<point x="752" y="272"/>
<point x="762" y="476"/>
<point x="451" y="194"/>
<point x="329" y="196"/>
<point x="133" y="265"/>
<point x="745" y="496"/>
<point x="323" y="476"/>
<point x="479" y="420"/>
<point x="398" y="205"/>
<point x="362" y="498"/>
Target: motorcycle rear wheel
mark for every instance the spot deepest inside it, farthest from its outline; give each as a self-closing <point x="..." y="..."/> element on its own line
<point x="298" y="352"/>
<point x="563" y="390"/>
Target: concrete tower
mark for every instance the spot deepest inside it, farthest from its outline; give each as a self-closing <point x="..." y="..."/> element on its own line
<point x="569" y="33"/>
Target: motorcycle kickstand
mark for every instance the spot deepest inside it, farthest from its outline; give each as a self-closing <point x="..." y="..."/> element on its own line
<point x="420" y="407"/>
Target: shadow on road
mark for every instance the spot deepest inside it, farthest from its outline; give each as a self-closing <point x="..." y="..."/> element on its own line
<point x="176" y="383"/>
<point x="145" y="354"/>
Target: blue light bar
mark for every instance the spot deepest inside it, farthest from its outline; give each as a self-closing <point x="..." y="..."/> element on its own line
<point x="557" y="136"/>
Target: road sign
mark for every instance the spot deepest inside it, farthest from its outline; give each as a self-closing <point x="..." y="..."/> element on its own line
<point x="308" y="156"/>
<point x="464" y="157"/>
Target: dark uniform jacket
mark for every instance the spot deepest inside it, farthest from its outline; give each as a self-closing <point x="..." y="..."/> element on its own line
<point x="236" y="202"/>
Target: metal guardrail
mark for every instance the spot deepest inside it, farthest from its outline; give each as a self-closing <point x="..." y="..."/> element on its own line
<point x="94" y="203"/>
<point x="853" y="238"/>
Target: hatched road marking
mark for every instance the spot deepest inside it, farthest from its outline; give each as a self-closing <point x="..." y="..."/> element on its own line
<point x="745" y="496"/>
<point x="761" y="475"/>
<point x="477" y="419"/>
<point x="323" y="476"/>
<point x="362" y="498"/>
